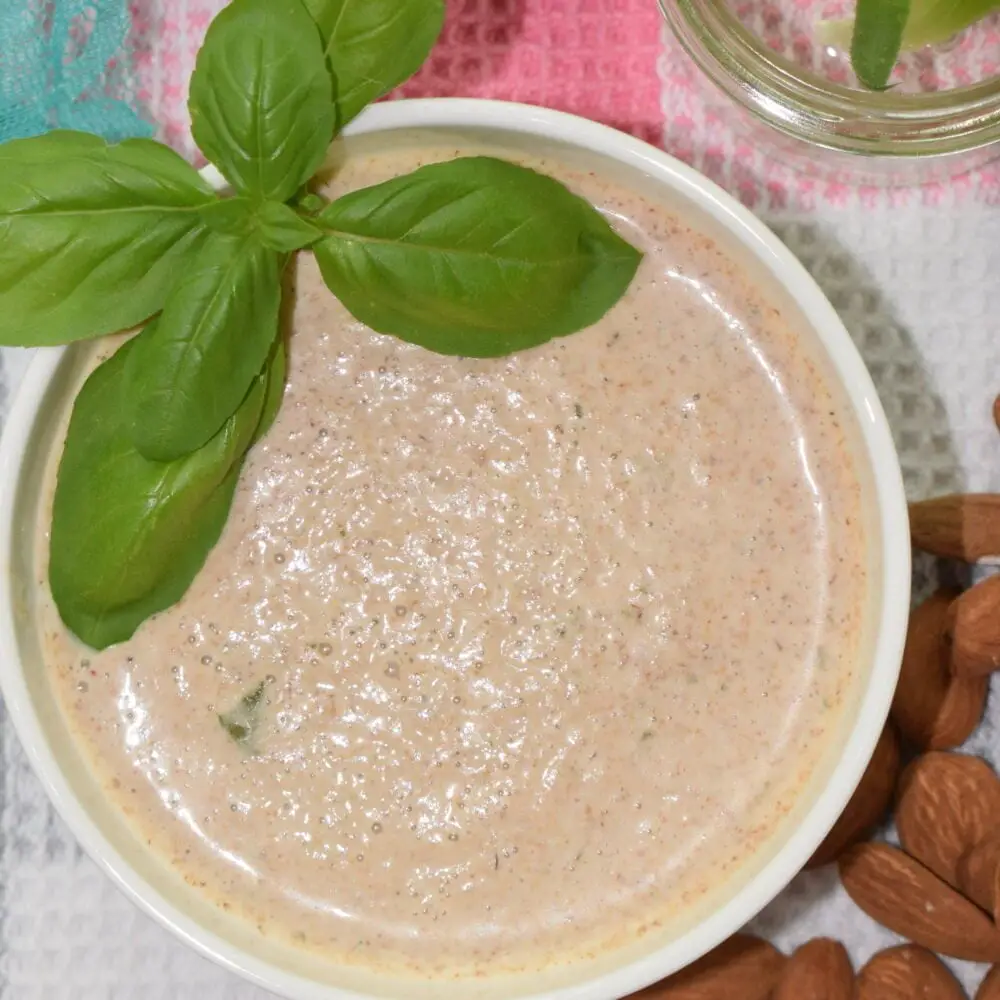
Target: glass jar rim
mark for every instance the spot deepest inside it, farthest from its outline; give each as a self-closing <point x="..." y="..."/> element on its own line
<point x="803" y="105"/>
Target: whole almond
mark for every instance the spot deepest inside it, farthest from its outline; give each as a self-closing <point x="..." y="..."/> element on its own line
<point x="907" y="972"/>
<point x="979" y="872"/>
<point x="996" y="412"/>
<point x="959" y="526"/>
<point x="947" y="803"/>
<point x="903" y="895"/>
<point x="932" y="708"/>
<point x="744" y="966"/>
<point x="990" y="986"/>
<point x="819" y="970"/>
<point x="974" y="627"/>
<point x="867" y="805"/>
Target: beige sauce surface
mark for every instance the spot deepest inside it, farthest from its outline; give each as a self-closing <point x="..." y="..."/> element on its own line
<point x="547" y="642"/>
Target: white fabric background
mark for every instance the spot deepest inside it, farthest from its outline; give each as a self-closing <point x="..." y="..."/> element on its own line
<point x="914" y="287"/>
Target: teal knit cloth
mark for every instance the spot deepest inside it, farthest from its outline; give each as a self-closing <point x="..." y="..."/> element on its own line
<point x="65" y="64"/>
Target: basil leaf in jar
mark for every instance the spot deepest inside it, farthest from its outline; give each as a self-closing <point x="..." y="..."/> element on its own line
<point x="262" y="98"/>
<point x="129" y="535"/>
<point x="91" y="234"/>
<point x="374" y="45"/>
<point x="877" y="39"/>
<point x="190" y="370"/>
<point x="476" y="257"/>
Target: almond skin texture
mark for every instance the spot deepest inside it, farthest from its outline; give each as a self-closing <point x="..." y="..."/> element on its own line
<point x="744" y="966"/>
<point x="867" y="805"/>
<point x="974" y="626"/>
<point x="979" y="871"/>
<point x="947" y="803"/>
<point x="819" y="970"/>
<point x="907" y="973"/>
<point x="959" y="526"/>
<point x="903" y="895"/>
<point x="933" y="709"/>
<point x="990" y="988"/>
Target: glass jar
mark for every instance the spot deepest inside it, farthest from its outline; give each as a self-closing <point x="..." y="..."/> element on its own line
<point x="819" y="125"/>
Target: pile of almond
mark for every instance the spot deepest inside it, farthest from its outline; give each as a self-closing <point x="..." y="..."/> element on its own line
<point x="940" y="889"/>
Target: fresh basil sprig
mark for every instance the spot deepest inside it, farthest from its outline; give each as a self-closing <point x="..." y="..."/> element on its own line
<point x="475" y="257"/>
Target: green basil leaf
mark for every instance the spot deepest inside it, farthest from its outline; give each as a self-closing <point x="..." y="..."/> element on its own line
<point x="274" y="389"/>
<point x="374" y="45"/>
<point x="474" y="257"/>
<point x="262" y="98"/>
<point x="91" y="235"/>
<point x="190" y="370"/>
<point x="877" y="40"/>
<point x="129" y="535"/>
<point x="270" y="222"/>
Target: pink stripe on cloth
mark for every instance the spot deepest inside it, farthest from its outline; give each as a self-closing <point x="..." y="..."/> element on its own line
<point x="595" y="58"/>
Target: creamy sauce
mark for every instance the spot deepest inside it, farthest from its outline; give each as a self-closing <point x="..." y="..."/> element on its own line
<point x="549" y="644"/>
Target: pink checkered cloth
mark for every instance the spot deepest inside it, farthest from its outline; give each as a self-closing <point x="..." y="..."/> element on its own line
<point x="597" y="58"/>
<point x="609" y="60"/>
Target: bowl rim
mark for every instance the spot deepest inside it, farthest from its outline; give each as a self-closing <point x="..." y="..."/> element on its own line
<point x="872" y="710"/>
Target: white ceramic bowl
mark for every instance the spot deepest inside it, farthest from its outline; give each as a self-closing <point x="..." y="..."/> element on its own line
<point x="148" y="883"/>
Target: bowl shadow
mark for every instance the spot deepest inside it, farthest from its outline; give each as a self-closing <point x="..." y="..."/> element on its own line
<point x="921" y="429"/>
